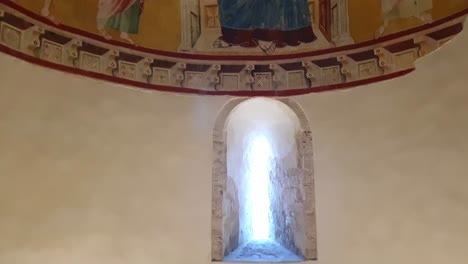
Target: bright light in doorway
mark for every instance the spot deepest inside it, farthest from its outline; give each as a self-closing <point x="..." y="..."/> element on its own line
<point x="259" y="181"/>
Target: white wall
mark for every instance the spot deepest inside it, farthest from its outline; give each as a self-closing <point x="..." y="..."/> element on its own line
<point x="91" y="172"/>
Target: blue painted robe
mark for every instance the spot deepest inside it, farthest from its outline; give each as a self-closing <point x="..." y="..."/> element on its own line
<point x="285" y="22"/>
<point x="264" y="14"/>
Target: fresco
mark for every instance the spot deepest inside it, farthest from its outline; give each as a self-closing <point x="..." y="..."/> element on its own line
<point x="230" y="47"/>
<point x="395" y="10"/>
<point x="121" y="15"/>
<point x="233" y="27"/>
<point x="281" y="23"/>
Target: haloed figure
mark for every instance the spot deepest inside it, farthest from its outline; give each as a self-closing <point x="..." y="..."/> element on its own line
<point x="264" y="23"/>
<point x="121" y="15"/>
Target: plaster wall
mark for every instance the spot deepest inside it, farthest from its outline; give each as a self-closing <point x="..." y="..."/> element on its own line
<point x="288" y="207"/>
<point x="92" y="172"/>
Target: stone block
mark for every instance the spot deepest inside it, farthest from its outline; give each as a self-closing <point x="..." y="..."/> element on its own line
<point x="307" y="162"/>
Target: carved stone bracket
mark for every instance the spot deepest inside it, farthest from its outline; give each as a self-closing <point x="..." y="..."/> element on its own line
<point x="32" y="36"/>
<point x="363" y="68"/>
<point x="426" y="44"/>
<point x="312" y="73"/>
<point x="137" y="70"/>
<point x="212" y="77"/>
<point x="386" y="60"/>
<point x="109" y="61"/>
<point x="248" y="77"/>
<point x="349" y="68"/>
<point x="393" y="62"/>
<point x="145" y="71"/>
<point x="179" y="70"/>
<point x="71" y="52"/>
<point x="278" y="78"/>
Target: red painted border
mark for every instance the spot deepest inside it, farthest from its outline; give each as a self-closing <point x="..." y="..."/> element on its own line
<point x="233" y="57"/>
<point x="246" y="93"/>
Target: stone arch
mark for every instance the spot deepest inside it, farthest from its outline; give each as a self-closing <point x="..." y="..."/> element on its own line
<point x="220" y="177"/>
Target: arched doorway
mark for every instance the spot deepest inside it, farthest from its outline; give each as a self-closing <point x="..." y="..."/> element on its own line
<point x="263" y="186"/>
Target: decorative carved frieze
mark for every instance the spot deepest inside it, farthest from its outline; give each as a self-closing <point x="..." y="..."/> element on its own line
<point x="343" y="68"/>
<point x="279" y="78"/>
<point x="386" y="60"/>
<point x="26" y="39"/>
<point x="11" y="36"/>
<point x="179" y="73"/>
<point x="248" y="77"/>
<point x="357" y="70"/>
<point x="71" y="52"/>
<point x="313" y="73"/>
<point x="213" y="78"/>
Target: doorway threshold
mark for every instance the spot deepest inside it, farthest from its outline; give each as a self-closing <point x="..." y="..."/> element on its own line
<point x="262" y="251"/>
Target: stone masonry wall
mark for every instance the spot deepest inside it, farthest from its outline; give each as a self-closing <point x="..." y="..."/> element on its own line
<point x="292" y="184"/>
<point x="231" y="225"/>
<point x="287" y="202"/>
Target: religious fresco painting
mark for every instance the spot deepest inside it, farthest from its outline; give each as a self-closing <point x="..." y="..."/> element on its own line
<point x="235" y="47"/>
<point x="266" y="24"/>
<point x="45" y="11"/>
<point x="121" y="15"/>
<point x="245" y="26"/>
<point x="263" y="27"/>
<point x="393" y="10"/>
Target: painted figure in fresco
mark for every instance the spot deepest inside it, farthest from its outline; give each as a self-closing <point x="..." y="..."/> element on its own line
<point x="121" y="15"/>
<point x="45" y="11"/>
<point x="264" y="23"/>
<point x="395" y="9"/>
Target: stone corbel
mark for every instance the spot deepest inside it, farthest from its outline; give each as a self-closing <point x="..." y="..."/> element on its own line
<point x="312" y="72"/>
<point x="179" y="72"/>
<point x="349" y="68"/>
<point x="386" y="60"/>
<point x="248" y="76"/>
<point x="71" y="51"/>
<point x="426" y="44"/>
<point x="33" y="39"/>
<point x="213" y="78"/>
<point x="144" y="70"/>
<point x="109" y="62"/>
<point x="278" y="78"/>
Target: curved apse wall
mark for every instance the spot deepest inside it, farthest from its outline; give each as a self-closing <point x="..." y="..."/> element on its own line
<point x="89" y="170"/>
